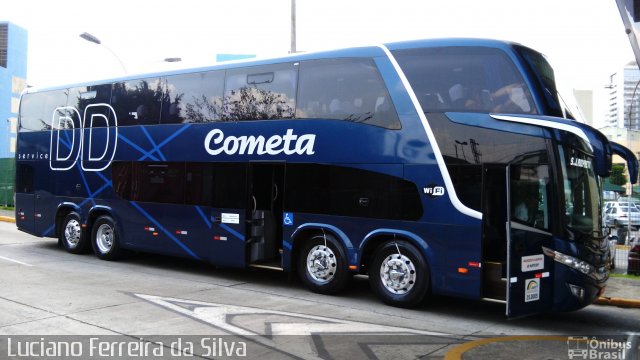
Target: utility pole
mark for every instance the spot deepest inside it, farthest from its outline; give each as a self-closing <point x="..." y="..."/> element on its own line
<point x="293" y="27"/>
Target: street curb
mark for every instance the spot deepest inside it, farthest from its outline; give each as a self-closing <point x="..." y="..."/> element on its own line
<point x="7" y="219"/>
<point x="620" y="302"/>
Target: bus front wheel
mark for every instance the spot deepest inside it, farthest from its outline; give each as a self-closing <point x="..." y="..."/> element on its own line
<point x="105" y="238"/>
<point x="399" y="275"/>
<point x="71" y="235"/>
<point x="322" y="265"/>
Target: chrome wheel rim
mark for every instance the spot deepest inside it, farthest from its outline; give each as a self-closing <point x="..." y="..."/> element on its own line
<point x="72" y="232"/>
<point x="104" y="238"/>
<point x="321" y="264"/>
<point x="398" y="274"/>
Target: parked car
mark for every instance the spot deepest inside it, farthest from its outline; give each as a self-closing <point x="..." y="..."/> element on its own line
<point x="627" y="200"/>
<point x="633" y="267"/>
<point x="618" y="214"/>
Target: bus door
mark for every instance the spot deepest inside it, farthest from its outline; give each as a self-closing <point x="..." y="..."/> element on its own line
<point x="25" y="198"/>
<point x="529" y="271"/>
<point x="266" y="187"/>
<point x="229" y="213"/>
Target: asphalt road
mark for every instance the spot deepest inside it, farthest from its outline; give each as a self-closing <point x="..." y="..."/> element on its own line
<point x="47" y="292"/>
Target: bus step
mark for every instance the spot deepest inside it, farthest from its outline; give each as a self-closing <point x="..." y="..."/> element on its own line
<point x="494" y="285"/>
<point x="275" y="265"/>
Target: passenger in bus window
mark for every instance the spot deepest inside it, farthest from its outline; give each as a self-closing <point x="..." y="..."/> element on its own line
<point x="471" y="98"/>
<point x="512" y="98"/>
<point x="527" y="205"/>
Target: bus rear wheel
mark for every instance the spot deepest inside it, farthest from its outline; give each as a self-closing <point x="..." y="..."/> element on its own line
<point x="71" y="235"/>
<point x="105" y="238"/>
<point x="399" y="275"/>
<point x="322" y="265"/>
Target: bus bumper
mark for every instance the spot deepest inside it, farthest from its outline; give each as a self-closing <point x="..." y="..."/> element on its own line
<point x="575" y="290"/>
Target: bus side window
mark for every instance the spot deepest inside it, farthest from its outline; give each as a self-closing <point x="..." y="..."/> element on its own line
<point x="158" y="182"/>
<point x="261" y="92"/>
<point x="345" y="89"/>
<point x="24" y="179"/>
<point x="37" y="109"/>
<point x="137" y="102"/>
<point x="193" y="98"/>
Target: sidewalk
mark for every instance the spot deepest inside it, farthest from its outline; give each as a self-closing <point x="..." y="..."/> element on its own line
<point x="623" y="288"/>
<point x="8" y="213"/>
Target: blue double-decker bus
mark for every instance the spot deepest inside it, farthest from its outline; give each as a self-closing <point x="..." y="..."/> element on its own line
<point x="448" y="167"/>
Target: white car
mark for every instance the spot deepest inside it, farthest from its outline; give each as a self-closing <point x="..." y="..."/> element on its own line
<point x="619" y="214"/>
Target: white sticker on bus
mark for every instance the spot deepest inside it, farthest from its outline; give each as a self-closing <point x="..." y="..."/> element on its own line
<point x="531" y="290"/>
<point x="532" y="262"/>
<point x="228" y="218"/>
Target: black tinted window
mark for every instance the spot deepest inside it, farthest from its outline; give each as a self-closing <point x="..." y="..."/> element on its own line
<point x="193" y="98"/>
<point x="137" y="102"/>
<point x="466" y="148"/>
<point x="199" y="183"/>
<point x="24" y="179"/>
<point x="261" y="92"/>
<point x="158" y="182"/>
<point x="345" y="89"/>
<point x="465" y="79"/>
<point x="336" y="190"/>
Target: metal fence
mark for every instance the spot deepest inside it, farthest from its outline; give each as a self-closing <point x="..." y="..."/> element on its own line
<point x="621" y="257"/>
<point x="7" y="178"/>
<point x="6" y="194"/>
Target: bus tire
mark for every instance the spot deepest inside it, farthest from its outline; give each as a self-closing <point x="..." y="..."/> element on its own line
<point x="399" y="275"/>
<point x="105" y="238"/>
<point x="322" y="265"/>
<point x="71" y="235"/>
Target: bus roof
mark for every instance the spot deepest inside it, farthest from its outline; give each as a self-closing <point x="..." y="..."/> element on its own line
<point x="358" y="51"/>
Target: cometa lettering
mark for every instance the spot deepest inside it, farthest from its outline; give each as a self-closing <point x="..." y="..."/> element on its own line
<point x="217" y="143"/>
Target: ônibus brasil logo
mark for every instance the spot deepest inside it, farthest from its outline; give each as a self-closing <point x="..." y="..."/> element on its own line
<point x="216" y="143"/>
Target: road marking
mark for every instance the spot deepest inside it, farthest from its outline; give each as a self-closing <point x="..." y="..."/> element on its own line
<point x="263" y="326"/>
<point x="457" y="352"/>
<point x="15" y="261"/>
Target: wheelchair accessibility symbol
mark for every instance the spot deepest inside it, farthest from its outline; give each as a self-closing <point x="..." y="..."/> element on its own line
<point x="287" y="219"/>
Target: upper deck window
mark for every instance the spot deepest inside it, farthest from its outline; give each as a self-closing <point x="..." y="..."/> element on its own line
<point x="466" y="79"/>
<point x="193" y="98"/>
<point x="345" y="89"/>
<point x="260" y="92"/>
<point x="137" y="102"/>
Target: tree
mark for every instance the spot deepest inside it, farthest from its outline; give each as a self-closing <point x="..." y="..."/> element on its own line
<point x="617" y="175"/>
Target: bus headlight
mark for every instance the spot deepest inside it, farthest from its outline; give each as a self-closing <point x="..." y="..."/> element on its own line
<point x="570" y="261"/>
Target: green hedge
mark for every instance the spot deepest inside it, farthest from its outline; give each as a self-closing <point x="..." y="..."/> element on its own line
<point x="7" y="180"/>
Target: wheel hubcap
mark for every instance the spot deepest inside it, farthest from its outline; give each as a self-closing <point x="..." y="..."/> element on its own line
<point x="104" y="238"/>
<point x="321" y="264"/>
<point x="72" y="232"/>
<point x="398" y="274"/>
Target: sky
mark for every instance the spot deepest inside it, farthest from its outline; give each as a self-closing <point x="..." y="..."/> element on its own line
<point x="583" y="39"/>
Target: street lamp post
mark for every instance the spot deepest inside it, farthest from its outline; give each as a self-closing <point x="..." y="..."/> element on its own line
<point x="95" y="40"/>
<point x="629" y="139"/>
<point x="293" y="49"/>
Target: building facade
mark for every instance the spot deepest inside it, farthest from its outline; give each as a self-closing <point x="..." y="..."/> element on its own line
<point x="585" y="101"/>
<point x="623" y="98"/>
<point x="13" y="74"/>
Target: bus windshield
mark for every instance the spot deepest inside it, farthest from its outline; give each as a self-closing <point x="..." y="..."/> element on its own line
<point x="581" y="191"/>
<point x="465" y="79"/>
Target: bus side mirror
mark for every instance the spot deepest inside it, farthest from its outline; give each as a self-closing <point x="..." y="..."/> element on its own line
<point x="630" y="158"/>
